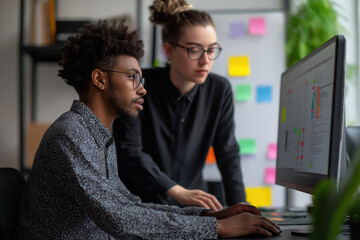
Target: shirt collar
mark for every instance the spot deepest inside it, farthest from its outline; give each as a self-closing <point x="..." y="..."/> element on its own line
<point x="101" y="134"/>
<point x="173" y="93"/>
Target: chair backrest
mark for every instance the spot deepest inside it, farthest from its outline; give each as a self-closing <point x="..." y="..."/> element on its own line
<point x="11" y="186"/>
<point x="352" y="140"/>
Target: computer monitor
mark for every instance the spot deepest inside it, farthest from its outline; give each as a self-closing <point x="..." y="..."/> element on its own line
<point x="311" y="118"/>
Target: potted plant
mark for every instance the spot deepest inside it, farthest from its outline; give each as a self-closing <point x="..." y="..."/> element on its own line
<point x="314" y="22"/>
<point x="332" y="204"/>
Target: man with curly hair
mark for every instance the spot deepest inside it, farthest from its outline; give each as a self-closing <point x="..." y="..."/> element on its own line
<point x="74" y="191"/>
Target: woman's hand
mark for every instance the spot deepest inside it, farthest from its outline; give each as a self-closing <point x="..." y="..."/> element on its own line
<point x="194" y="198"/>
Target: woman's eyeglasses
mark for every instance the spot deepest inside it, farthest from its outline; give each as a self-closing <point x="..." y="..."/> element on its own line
<point x="195" y="53"/>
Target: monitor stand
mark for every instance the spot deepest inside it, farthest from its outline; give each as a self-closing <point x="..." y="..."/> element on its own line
<point x="304" y="231"/>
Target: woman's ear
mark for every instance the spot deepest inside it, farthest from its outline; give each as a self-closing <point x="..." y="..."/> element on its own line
<point x="98" y="79"/>
<point x="168" y="50"/>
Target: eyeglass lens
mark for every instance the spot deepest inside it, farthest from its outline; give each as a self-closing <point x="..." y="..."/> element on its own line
<point x="137" y="80"/>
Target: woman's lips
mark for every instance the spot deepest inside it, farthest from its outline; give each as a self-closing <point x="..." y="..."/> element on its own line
<point x="203" y="72"/>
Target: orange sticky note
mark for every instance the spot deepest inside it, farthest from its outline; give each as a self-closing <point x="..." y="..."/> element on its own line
<point x="210" y="159"/>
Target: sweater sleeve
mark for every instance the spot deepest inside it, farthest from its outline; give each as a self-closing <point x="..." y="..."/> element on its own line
<point x="114" y="210"/>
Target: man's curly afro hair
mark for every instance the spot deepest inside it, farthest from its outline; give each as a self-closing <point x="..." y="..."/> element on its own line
<point x="96" y="46"/>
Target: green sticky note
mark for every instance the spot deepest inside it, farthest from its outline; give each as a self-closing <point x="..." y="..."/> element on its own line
<point x="243" y="92"/>
<point x="247" y="146"/>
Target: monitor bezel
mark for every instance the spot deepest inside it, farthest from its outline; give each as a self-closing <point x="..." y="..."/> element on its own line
<point x="337" y="122"/>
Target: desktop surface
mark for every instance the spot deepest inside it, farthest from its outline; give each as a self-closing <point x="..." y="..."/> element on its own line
<point x="287" y="234"/>
<point x="289" y="221"/>
<point x="283" y="217"/>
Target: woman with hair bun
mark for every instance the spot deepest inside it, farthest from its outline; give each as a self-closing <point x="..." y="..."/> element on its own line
<point x="187" y="109"/>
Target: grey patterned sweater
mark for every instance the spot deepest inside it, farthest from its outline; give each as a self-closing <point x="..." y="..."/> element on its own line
<point x="73" y="191"/>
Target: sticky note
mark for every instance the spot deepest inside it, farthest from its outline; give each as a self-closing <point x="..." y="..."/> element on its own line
<point x="263" y="94"/>
<point x="270" y="173"/>
<point x="236" y="29"/>
<point x="247" y="146"/>
<point x="157" y="63"/>
<point x="272" y="151"/>
<point x="257" y="26"/>
<point x="259" y="196"/>
<point x="283" y="115"/>
<point x="210" y="159"/>
<point x="275" y="214"/>
<point x="243" y="92"/>
<point x="239" y="66"/>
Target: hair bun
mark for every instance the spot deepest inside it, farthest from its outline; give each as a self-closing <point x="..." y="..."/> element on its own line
<point x="163" y="9"/>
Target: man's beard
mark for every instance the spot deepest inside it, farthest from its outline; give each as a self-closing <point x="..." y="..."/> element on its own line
<point x="125" y="115"/>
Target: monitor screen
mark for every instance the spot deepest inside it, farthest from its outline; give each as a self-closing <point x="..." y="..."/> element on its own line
<point x="311" y="118"/>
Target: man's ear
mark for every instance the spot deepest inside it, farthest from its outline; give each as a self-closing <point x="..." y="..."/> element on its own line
<point x="98" y="79"/>
<point x="168" y="50"/>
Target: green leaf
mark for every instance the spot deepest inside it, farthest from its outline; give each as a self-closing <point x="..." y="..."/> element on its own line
<point x="314" y="23"/>
<point x="332" y="205"/>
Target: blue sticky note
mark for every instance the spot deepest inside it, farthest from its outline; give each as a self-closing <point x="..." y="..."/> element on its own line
<point x="263" y="94"/>
<point x="237" y="29"/>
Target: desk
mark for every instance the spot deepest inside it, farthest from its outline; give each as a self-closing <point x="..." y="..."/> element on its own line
<point x="286" y="234"/>
<point x="290" y="223"/>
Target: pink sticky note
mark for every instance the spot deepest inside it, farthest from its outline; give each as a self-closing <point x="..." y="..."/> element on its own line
<point x="270" y="173"/>
<point x="257" y="26"/>
<point x="272" y="150"/>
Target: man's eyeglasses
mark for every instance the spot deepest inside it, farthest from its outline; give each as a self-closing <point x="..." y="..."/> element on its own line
<point x="195" y="53"/>
<point x="135" y="77"/>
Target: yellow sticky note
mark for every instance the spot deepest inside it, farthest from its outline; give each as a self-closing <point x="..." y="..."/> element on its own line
<point x="239" y="66"/>
<point x="259" y="196"/>
<point x="283" y="115"/>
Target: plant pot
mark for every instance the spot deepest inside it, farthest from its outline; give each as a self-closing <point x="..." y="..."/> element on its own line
<point x="355" y="230"/>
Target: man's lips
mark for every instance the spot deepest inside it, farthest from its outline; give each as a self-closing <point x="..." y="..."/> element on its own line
<point x="139" y="102"/>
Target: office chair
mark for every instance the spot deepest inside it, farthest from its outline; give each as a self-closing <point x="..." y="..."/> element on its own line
<point x="11" y="186"/>
<point x="352" y="141"/>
